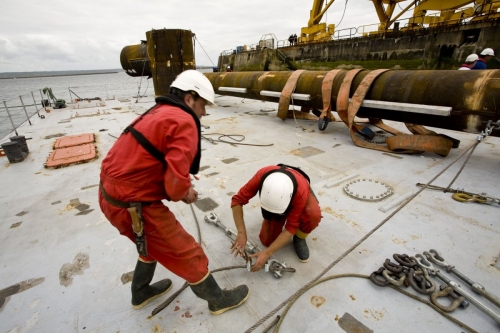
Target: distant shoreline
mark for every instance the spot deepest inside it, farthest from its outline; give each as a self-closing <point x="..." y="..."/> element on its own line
<point x="54" y="75"/>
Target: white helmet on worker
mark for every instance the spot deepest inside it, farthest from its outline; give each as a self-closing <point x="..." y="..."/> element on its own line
<point x="192" y="80"/>
<point x="276" y="193"/>
<point x="488" y="52"/>
<point x="471" y="58"/>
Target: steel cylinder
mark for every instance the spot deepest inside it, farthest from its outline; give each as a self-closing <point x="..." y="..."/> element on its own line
<point x="135" y="61"/>
<point x="13" y="152"/>
<point x="474" y="96"/>
<point x="21" y="141"/>
<point x="164" y="55"/>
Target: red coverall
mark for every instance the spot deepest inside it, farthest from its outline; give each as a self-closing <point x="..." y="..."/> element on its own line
<point x="130" y="173"/>
<point x="303" y="217"/>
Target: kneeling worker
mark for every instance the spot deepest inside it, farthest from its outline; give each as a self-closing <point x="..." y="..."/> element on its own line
<point x="152" y="160"/>
<point x="289" y="209"/>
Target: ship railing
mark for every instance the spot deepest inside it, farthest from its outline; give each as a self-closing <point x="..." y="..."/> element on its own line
<point x="18" y="111"/>
<point x="228" y="52"/>
<point x="345" y="33"/>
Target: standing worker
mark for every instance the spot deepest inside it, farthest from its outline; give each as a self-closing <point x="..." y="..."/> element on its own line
<point x="152" y="160"/>
<point x="289" y="209"/>
<point x="484" y="57"/>
<point x="470" y="61"/>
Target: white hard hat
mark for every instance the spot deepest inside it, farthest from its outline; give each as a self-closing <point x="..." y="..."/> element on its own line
<point x="488" y="51"/>
<point x="471" y="58"/>
<point x="228" y="66"/>
<point x="276" y="192"/>
<point x="192" y="80"/>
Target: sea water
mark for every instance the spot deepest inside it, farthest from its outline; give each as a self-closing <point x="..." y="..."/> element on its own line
<point x="104" y="86"/>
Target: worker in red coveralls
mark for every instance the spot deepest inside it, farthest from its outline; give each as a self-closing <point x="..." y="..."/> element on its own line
<point x="289" y="209"/>
<point x="152" y="160"/>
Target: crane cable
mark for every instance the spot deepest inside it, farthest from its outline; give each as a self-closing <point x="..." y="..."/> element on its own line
<point x="204" y="50"/>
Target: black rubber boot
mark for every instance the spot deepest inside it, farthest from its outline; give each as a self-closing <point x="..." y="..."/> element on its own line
<point x="142" y="292"/>
<point x="219" y="301"/>
<point x="301" y="249"/>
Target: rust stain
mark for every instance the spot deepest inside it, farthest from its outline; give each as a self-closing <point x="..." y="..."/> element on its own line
<point x="398" y="241"/>
<point x="230" y="120"/>
<point x="352" y="297"/>
<point x="177" y="308"/>
<point x="317" y="301"/>
<point x="336" y="317"/>
<point x="377" y="315"/>
<point x="329" y="210"/>
<point x="413" y="237"/>
<point x="187" y="315"/>
<point x="157" y="329"/>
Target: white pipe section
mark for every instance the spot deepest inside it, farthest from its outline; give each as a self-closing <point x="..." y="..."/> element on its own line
<point x="408" y="107"/>
<point x="302" y="97"/>
<point x="233" y="89"/>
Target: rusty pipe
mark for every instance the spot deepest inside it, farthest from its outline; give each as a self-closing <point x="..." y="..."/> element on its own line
<point x="135" y="61"/>
<point x="474" y="96"/>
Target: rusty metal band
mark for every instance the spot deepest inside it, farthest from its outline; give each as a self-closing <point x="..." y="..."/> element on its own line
<point x="287" y="92"/>
<point x="326" y="93"/>
<point x="343" y="95"/>
<point x="400" y="143"/>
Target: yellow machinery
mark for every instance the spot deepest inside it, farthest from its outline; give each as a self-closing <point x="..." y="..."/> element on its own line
<point x="316" y="31"/>
<point x="444" y="12"/>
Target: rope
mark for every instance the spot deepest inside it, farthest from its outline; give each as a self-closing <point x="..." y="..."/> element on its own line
<point x="185" y="285"/>
<point x="232" y="137"/>
<point x="140" y="83"/>
<point x="404" y="292"/>
<point x="345" y="7"/>
<point x="257" y="324"/>
<point x="463" y="165"/>
<point x="274" y="322"/>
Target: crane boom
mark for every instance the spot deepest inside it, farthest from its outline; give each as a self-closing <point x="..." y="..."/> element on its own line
<point x="314" y="30"/>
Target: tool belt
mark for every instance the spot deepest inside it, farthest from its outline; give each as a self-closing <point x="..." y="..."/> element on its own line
<point x="135" y="211"/>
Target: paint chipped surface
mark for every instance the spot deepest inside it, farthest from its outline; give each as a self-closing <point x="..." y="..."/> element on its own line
<point x="306" y="152"/>
<point x="77" y="267"/>
<point x="31" y="322"/>
<point x="206" y="204"/>
<point x="127" y="277"/>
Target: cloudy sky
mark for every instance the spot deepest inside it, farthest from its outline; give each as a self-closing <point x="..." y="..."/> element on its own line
<point x="89" y="34"/>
